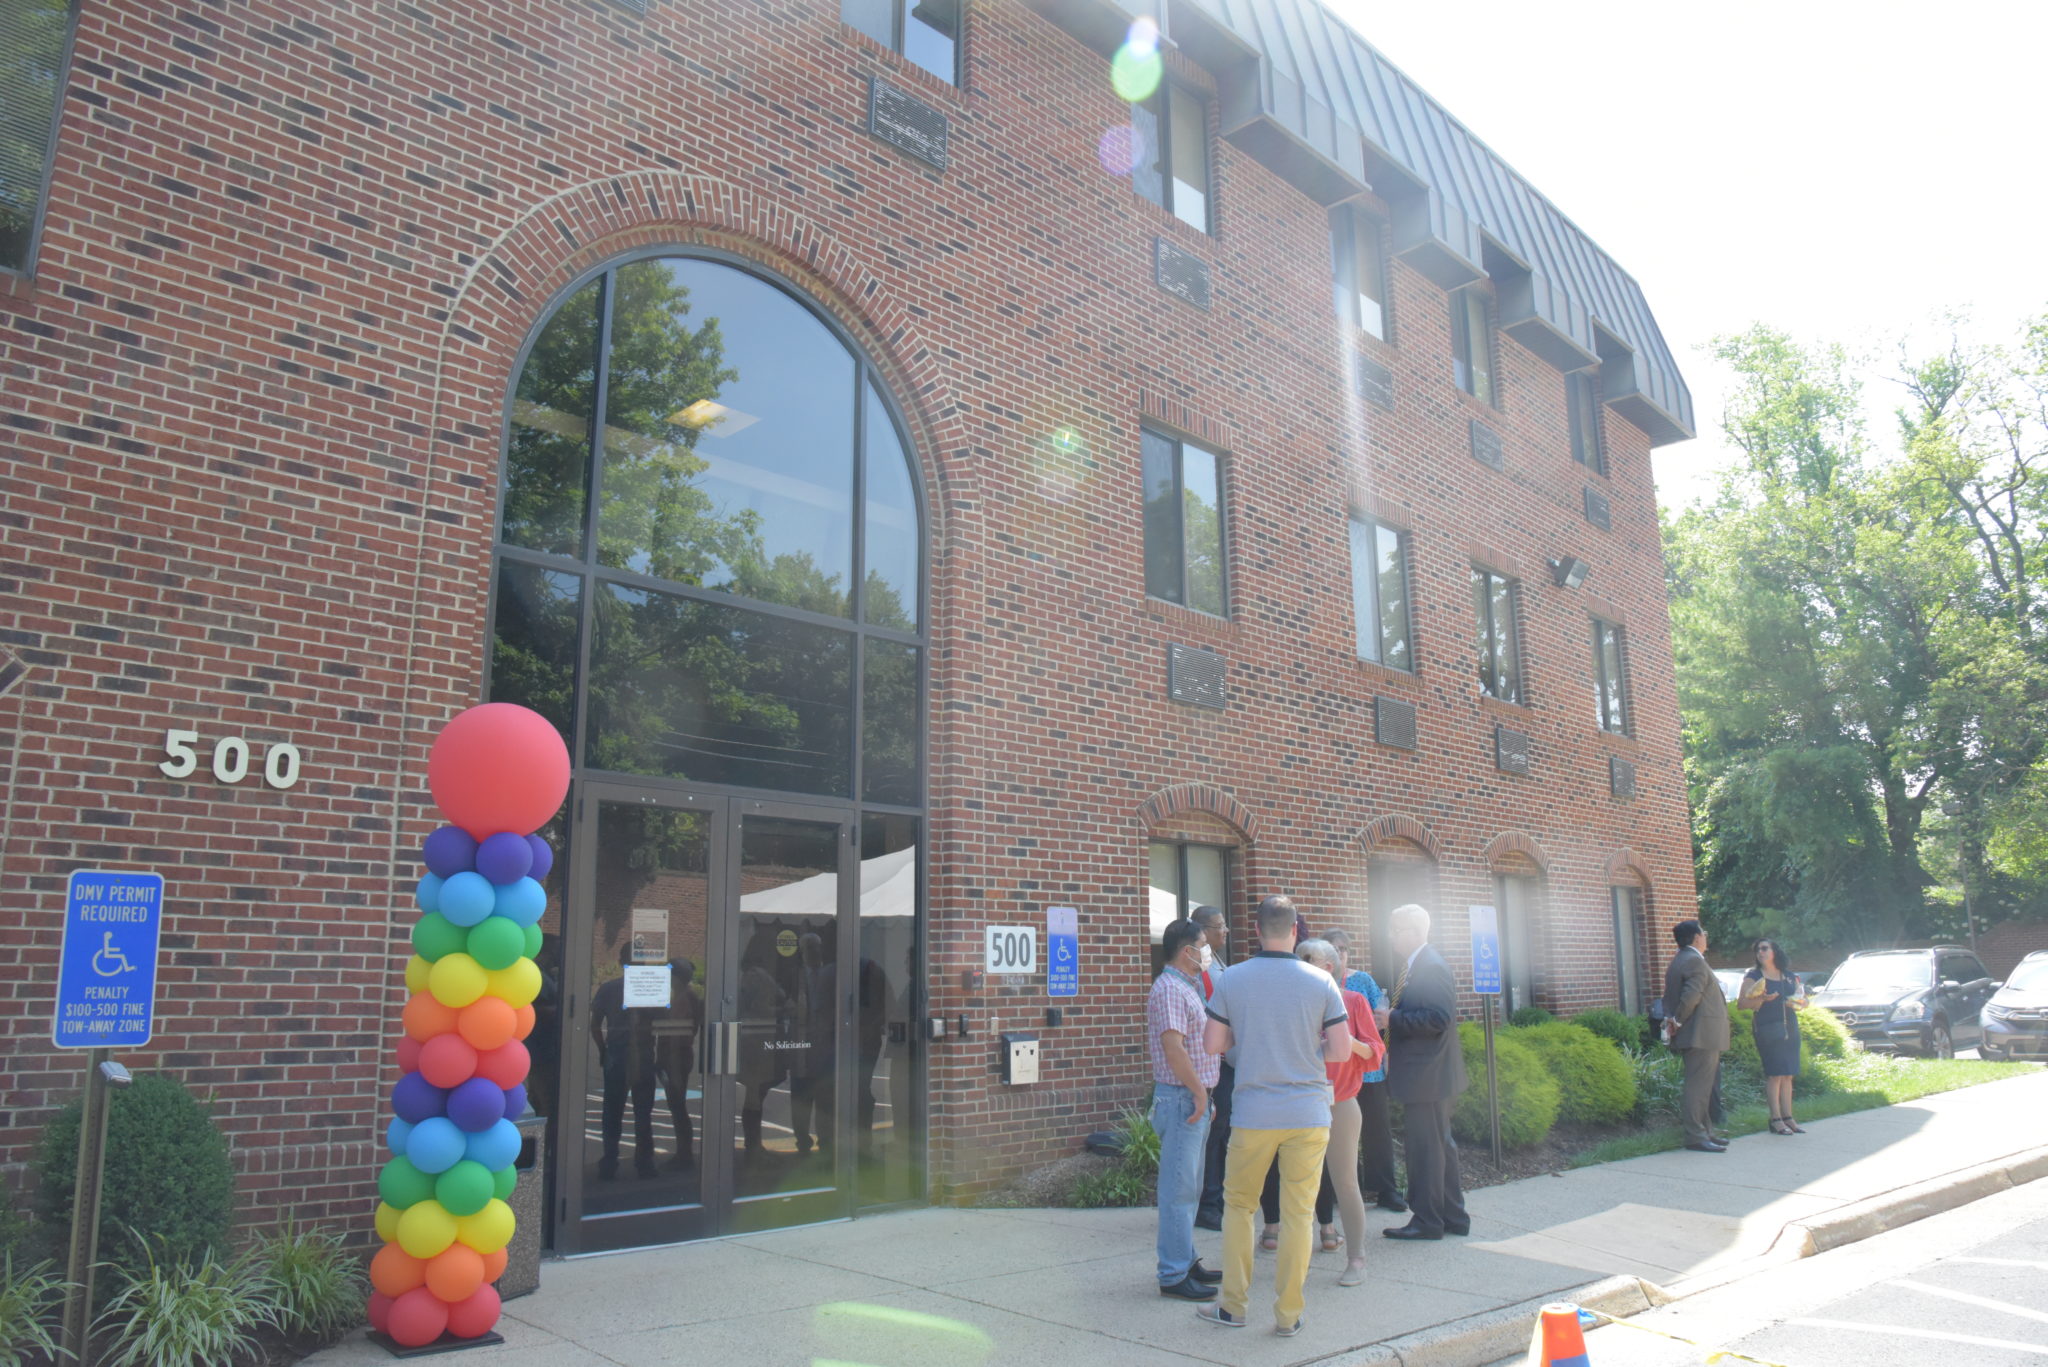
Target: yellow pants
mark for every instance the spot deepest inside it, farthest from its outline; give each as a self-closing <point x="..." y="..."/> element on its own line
<point x="1252" y="1152"/>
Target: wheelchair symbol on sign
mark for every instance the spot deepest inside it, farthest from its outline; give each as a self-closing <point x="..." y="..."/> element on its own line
<point x="110" y="961"/>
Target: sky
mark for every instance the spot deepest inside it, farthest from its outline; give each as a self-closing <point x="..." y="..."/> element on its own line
<point x="1845" y="172"/>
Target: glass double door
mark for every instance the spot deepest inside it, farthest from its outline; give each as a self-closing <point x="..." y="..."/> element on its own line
<point x="706" y="1083"/>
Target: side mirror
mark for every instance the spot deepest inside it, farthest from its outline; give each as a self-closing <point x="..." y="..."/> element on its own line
<point x="1949" y="984"/>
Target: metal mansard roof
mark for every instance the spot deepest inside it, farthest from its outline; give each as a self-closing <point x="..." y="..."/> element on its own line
<point x="1307" y="96"/>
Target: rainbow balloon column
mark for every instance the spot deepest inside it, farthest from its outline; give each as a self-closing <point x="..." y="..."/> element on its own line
<point x="498" y="772"/>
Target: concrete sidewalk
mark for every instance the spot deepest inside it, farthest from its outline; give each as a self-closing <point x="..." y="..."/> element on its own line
<point x="940" y="1287"/>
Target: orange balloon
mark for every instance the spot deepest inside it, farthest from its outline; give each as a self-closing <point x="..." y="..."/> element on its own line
<point x="524" y="1016"/>
<point x="425" y="1017"/>
<point x="486" y="1023"/>
<point x="455" y="1273"/>
<point x="494" y="1264"/>
<point x="394" y="1271"/>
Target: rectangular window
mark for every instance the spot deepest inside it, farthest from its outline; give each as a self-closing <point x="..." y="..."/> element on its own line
<point x="1359" y="267"/>
<point x="1184" y="876"/>
<point x="1610" y="678"/>
<point x="1583" y="405"/>
<point x="1379" y="594"/>
<point x="1184" y="524"/>
<point x="925" y="31"/>
<point x="1515" y="899"/>
<point x="1500" y="659"/>
<point x="1172" y="131"/>
<point x="1472" y="344"/>
<point x="34" y="37"/>
<point x="1628" y="915"/>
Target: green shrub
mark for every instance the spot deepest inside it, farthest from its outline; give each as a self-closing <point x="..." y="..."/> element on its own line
<point x="1528" y="1094"/>
<point x="1741" y="1045"/>
<point x="1659" y="1077"/>
<point x="168" y="1191"/>
<point x="198" y="1313"/>
<point x="1138" y="1142"/>
<point x="1530" y="1015"/>
<point x="1594" y="1082"/>
<point x="31" y="1299"/>
<point x="314" y="1282"/>
<point x="1629" y="1032"/>
<point x="1825" y="1034"/>
<point x="1117" y="1186"/>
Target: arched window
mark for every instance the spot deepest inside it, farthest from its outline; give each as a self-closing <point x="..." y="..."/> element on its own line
<point x="710" y="546"/>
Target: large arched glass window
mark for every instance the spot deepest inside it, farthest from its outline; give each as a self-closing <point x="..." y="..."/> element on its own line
<point x="710" y="548"/>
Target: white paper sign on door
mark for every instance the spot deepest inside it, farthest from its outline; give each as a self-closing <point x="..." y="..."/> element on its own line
<point x="647" y="986"/>
<point x="650" y="936"/>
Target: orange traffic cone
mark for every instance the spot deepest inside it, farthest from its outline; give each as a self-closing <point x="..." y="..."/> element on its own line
<point x="1557" y="1341"/>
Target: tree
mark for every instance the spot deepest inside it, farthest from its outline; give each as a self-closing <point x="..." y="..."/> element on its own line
<point x="31" y="55"/>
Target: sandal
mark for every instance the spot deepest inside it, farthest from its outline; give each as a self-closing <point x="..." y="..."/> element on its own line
<point x="1793" y="1127"/>
<point x="1779" y="1125"/>
<point x="1270" y="1239"/>
<point x="1332" y="1240"/>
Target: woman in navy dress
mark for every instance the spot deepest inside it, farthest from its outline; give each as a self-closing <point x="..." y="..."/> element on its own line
<point x="1773" y="991"/>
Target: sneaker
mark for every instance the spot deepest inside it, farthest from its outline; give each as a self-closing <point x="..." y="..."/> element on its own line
<point x="1188" y="1289"/>
<point x="1354" y="1273"/>
<point x="1288" y="1331"/>
<point x="1216" y="1314"/>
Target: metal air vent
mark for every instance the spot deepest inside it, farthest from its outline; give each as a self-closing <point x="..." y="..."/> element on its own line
<point x="1374" y="383"/>
<point x="1510" y="751"/>
<point x="1181" y="274"/>
<point x="1599" y="511"/>
<point x="1393" y="722"/>
<point x="1621" y="777"/>
<point x="1486" y="446"/>
<point x="906" y="123"/>
<point x="1194" y="675"/>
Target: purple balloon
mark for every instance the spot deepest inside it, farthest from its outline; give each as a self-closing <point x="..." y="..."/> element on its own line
<point x="504" y="857"/>
<point x="415" y="1099"/>
<point x="477" y="1104"/>
<point x="515" y="1100"/>
<point x="449" y="851"/>
<point x="543" y="858"/>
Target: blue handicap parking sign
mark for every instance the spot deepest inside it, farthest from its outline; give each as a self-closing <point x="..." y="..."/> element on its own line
<point x="1485" y="951"/>
<point x="106" y="983"/>
<point x="1063" y="952"/>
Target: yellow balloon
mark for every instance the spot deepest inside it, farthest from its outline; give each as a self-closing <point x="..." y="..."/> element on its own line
<point x="518" y="985"/>
<point x="417" y="971"/>
<point x="456" y="980"/>
<point x="387" y="1222"/>
<point x="427" y="1229"/>
<point x="487" y="1231"/>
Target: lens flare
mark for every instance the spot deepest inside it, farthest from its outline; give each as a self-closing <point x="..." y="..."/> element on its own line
<point x="1063" y="463"/>
<point x="1137" y="68"/>
<point x="1120" y="149"/>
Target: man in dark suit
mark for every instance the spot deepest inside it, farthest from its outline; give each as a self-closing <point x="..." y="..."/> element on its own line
<point x="1425" y="1073"/>
<point x="1696" y="1025"/>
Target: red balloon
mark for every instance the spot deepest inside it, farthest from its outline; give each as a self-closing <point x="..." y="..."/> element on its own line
<point x="498" y="767"/>
<point x="448" y="1060"/>
<point x="380" y="1312"/>
<point x="494" y="1264"/>
<point x="417" y="1319"/>
<point x="474" y="1317"/>
<point x="408" y="1054"/>
<point x="505" y="1065"/>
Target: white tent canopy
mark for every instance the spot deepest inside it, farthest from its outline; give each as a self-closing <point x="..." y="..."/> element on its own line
<point x="888" y="887"/>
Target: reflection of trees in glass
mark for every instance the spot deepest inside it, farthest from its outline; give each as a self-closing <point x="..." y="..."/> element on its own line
<point x="704" y="691"/>
<point x="533" y="643"/>
<point x="889" y="717"/>
<point x="1205" y="553"/>
<point x="547" y="459"/>
<point x="31" y="50"/>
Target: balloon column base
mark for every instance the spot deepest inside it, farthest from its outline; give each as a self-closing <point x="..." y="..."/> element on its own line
<point x="447" y="1343"/>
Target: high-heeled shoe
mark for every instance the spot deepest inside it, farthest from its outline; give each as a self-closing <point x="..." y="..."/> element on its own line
<point x="1779" y="1124"/>
<point x="1793" y="1127"/>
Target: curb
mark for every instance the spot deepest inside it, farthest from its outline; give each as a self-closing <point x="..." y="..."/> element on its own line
<point x="1493" y="1335"/>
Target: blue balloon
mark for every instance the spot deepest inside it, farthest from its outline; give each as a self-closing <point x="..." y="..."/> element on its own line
<point x="395" y="1136"/>
<point x="467" y="898"/>
<point x="515" y="1101"/>
<point x="524" y="902"/>
<point x="435" y="1145"/>
<point x="415" y="1099"/>
<point x="495" y="1148"/>
<point x="543" y="857"/>
<point x="449" y="851"/>
<point x="504" y="858"/>
<point x="428" y="894"/>
<point x="477" y="1104"/>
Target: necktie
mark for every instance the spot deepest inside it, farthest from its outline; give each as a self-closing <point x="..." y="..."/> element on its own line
<point x="1400" y="985"/>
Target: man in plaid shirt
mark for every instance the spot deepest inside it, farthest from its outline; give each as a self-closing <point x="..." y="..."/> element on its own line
<point x="1182" y="1074"/>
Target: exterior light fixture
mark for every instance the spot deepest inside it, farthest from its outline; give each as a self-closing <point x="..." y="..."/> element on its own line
<point x="1569" y="571"/>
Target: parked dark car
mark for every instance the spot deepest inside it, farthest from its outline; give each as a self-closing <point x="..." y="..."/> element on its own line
<point x="1911" y="1001"/>
<point x="2016" y="1018"/>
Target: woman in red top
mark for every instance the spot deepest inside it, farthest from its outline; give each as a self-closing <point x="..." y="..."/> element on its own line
<point x="1340" y="1161"/>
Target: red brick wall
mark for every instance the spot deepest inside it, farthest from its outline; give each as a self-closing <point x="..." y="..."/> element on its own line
<point x="254" y="395"/>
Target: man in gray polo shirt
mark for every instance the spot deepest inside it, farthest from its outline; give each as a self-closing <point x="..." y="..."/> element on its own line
<point x="1286" y="1022"/>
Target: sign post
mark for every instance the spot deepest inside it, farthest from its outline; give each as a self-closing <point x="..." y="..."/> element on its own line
<point x="106" y="997"/>
<point x="1485" y="924"/>
<point x="1063" y="952"/>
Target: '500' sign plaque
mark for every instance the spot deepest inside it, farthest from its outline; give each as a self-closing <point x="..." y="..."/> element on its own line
<point x="1012" y="949"/>
<point x="231" y="759"/>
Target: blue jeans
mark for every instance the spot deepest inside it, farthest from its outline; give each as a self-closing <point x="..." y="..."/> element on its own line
<point x="1181" y="1149"/>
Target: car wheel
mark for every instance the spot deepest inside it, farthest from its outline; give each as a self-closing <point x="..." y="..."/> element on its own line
<point x="1941" y="1044"/>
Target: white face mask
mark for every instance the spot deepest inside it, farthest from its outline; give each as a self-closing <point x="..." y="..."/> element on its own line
<point x="1208" y="955"/>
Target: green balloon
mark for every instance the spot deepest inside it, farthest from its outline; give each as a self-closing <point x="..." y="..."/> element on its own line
<point x="434" y="935"/>
<point x="502" y="1182"/>
<point x="402" y="1186"/>
<point x="465" y="1188"/>
<point x="533" y="940"/>
<point x="497" y="942"/>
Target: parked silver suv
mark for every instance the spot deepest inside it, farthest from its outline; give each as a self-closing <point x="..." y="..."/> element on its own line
<point x="2016" y="1019"/>
<point x="1917" y="1001"/>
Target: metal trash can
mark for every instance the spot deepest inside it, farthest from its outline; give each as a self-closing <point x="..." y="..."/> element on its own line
<point x="529" y="1202"/>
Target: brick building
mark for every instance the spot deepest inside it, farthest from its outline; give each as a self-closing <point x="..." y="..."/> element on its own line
<point x="925" y="486"/>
